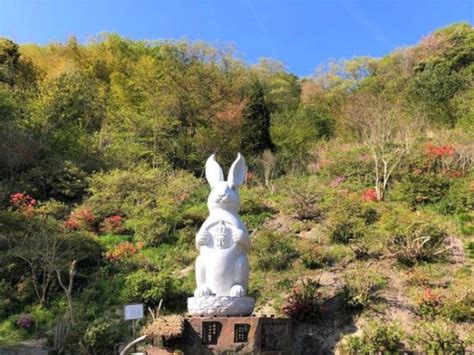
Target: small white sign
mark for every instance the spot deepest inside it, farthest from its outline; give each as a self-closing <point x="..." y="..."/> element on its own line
<point x="133" y="311"/>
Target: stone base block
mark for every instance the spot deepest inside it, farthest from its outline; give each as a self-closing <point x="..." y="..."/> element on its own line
<point x="221" y="306"/>
<point x="234" y="335"/>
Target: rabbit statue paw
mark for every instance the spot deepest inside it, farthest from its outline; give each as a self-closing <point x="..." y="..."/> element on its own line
<point x="202" y="291"/>
<point x="222" y="267"/>
<point x="237" y="291"/>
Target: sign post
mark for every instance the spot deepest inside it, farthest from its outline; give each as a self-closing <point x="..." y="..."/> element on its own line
<point x="133" y="312"/>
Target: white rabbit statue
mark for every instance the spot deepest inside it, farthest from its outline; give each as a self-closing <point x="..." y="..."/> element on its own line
<point x="222" y="267"/>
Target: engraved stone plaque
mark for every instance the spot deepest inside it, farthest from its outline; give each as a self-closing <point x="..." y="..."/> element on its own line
<point x="210" y="332"/>
<point x="241" y="333"/>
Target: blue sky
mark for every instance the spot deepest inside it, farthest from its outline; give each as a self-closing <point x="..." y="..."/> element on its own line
<point x="300" y="33"/>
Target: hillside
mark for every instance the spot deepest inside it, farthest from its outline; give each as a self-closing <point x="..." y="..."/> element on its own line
<point x="359" y="194"/>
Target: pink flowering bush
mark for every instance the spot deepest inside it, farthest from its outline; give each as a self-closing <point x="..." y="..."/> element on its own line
<point x="337" y="181"/>
<point x="113" y="224"/>
<point x="81" y="219"/>
<point x="23" y="202"/>
<point x="25" y="321"/>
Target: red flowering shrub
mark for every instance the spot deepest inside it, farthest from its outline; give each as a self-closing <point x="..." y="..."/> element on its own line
<point x="430" y="304"/>
<point x="369" y="195"/>
<point x="443" y="159"/>
<point x="123" y="250"/>
<point x="439" y="151"/>
<point x="23" y="202"/>
<point x="113" y="224"/>
<point x="453" y="173"/>
<point x="81" y="219"/>
<point x="305" y="303"/>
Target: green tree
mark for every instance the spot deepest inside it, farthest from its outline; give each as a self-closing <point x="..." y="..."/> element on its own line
<point x="256" y="122"/>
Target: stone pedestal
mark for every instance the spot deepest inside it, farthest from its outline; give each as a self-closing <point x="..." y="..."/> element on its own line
<point x="243" y="335"/>
<point x="220" y="306"/>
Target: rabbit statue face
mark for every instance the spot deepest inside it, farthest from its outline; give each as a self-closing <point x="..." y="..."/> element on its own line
<point x="225" y="194"/>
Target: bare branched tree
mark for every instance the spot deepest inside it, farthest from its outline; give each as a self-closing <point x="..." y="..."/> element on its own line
<point x="387" y="129"/>
<point x="269" y="161"/>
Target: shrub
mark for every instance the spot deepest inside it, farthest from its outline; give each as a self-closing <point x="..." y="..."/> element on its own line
<point x="101" y="336"/>
<point x="343" y="159"/>
<point x="113" y="224"/>
<point x="360" y="288"/>
<point x="305" y="303"/>
<point x="369" y="195"/>
<point x="317" y="257"/>
<point x="123" y="250"/>
<point x="349" y="218"/>
<point x="44" y="320"/>
<point x="22" y="201"/>
<point x="149" y="288"/>
<point x="466" y="225"/>
<point x="254" y="210"/>
<point x="152" y="199"/>
<point x="418" y="242"/>
<point x="25" y="321"/>
<point x="305" y="202"/>
<point x="53" y="208"/>
<point x="345" y="231"/>
<point x="81" y="219"/>
<point x="429" y="304"/>
<point x="423" y="188"/>
<point x="274" y="251"/>
<point x="459" y="198"/>
<point x="10" y="333"/>
<point x="438" y="338"/>
<point x="377" y="337"/>
<point x="459" y="306"/>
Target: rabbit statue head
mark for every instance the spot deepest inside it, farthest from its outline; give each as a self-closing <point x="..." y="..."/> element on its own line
<point x="225" y="194"/>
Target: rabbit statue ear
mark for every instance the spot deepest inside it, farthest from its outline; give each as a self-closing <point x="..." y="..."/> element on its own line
<point x="214" y="172"/>
<point x="237" y="171"/>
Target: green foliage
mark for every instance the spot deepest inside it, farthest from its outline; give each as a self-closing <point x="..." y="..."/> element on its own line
<point x="353" y="163"/>
<point x="15" y="70"/>
<point x="377" y="337"/>
<point x="318" y="257"/>
<point x="256" y="121"/>
<point x="150" y="288"/>
<point x="118" y="127"/>
<point x="10" y="333"/>
<point x="444" y="73"/>
<point x="360" y="288"/>
<point x="55" y="178"/>
<point x="419" y="241"/>
<point x="350" y="219"/>
<point x="255" y="209"/>
<point x="438" y="338"/>
<point x="152" y="200"/>
<point x="459" y="198"/>
<point x="459" y="306"/>
<point x="101" y="335"/>
<point x="419" y="189"/>
<point x="294" y="133"/>
<point x="315" y="258"/>
<point x="273" y="251"/>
